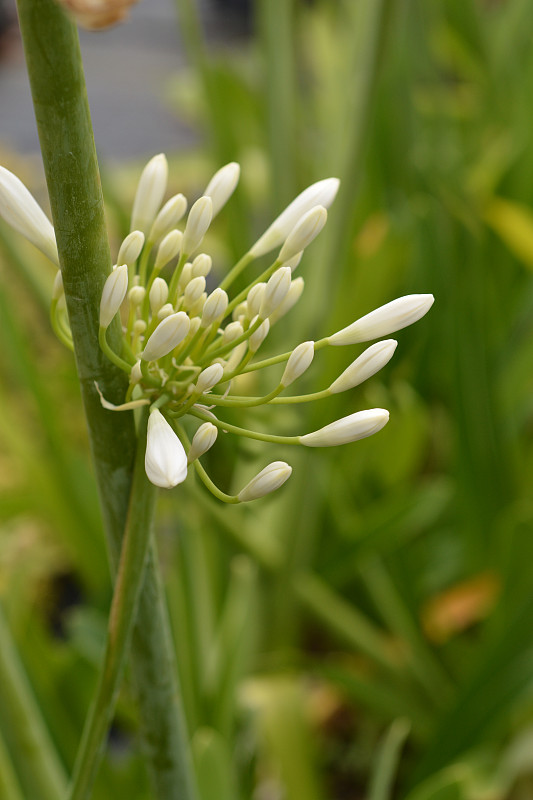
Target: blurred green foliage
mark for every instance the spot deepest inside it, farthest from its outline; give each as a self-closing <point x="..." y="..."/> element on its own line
<point x="367" y="633"/>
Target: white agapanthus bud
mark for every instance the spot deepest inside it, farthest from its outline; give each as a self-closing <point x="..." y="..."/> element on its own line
<point x="198" y="306"/>
<point x="158" y="294"/>
<point x="240" y="311"/>
<point x="165" y="311"/>
<point x="222" y="185"/>
<point x="348" y="429"/>
<point x="255" y="298"/>
<point x="294" y="261"/>
<point x="299" y="360"/>
<point x="113" y="294"/>
<point x="58" y="290"/>
<point x="208" y="378"/>
<point x="136" y="295"/>
<point x="391" y="317"/>
<point x="203" y="440"/>
<point x="139" y="327"/>
<point x="214" y="307"/>
<point x="185" y="277"/>
<point x="371" y="361"/>
<point x="195" y="324"/>
<point x="268" y="480"/>
<point x="131" y="247"/>
<point x="168" y="249"/>
<point x="150" y="192"/>
<point x="22" y="211"/>
<point x="136" y="373"/>
<point x="168" y="334"/>
<point x="275" y="292"/>
<point x="198" y="222"/>
<point x="293" y="295"/>
<point x="232" y="332"/>
<point x="168" y="217"/>
<point x="303" y="233"/>
<point x="201" y="266"/>
<point x="258" y="336"/>
<point x="236" y="356"/>
<point x="321" y="193"/>
<point x="165" y="460"/>
<point x="193" y="291"/>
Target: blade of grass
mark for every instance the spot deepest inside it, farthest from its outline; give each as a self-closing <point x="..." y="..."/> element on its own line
<point x="387" y="759"/>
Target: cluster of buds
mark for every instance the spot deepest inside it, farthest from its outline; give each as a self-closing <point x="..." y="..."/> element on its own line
<point x="185" y="342"/>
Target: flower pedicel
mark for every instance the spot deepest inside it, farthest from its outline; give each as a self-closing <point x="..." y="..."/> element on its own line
<point x="182" y="347"/>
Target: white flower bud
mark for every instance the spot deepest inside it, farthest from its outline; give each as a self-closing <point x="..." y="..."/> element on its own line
<point x="255" y="298"/>
<point x="201" y="266"/>
<point x="58" y="290"/>
<point x="268" y="480"/>
<point x="321" y="193"/>
<point x="22" y="211"/>
<point x="158" y="294"/>
<point x="168" y="217"/>
<point x="236" y="356"/>
<point x="198" y="222"/>
<point x="275" y="291"/>
<point x="386" y="319"/>
<point x="304" y="232"/>
<point x="203" y="440"/>
<point x="293" y="295"/>
<point x="113" y="294"/>
<point x="348" y="429"/>
<point x="168" y="334"/>
<point x="240" y="311"/>
<point x="294" y="261"/>
<point x="208" y="378"/>
<point x="193" y="291"/>
<point x="165" y="460"/>
<point x="139" y="327"/>
<point x="371" y="361"/>
<point x="222" y="185"/>
<point x="232" y="332"/>
<point x="198" y="306"/>
<point x="150" y="192"/>
<point x="131" y="247"/>
<point x="195" y="324"/>
<point x="165" y="311"/>
<point x="136" y="295"/>
<point x="168" y="249"/>
<point x="136" y="373"/>
<point x="214" y="307"/>
<point x="258" y="337"/>
<point x="299" y="360"/>
<point x="185" y="277"/>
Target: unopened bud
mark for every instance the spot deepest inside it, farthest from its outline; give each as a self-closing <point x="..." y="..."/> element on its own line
<point x="185" y="277"/>
<point x="303" y="233"/>
<point x="268" y="480"/>
<point x="168" y="334"/>
<point x="214" y="307"/>
<point x="198" y="306"/>
<point x="258" y="336"/>
<point x="165" y="311"/>
<point x="203" y="440"/>
<point x="131" y="247"/>
<point x="236" y="356"/>
<point x="136" y="295"/>
<point x="222" y="185"/>
<point x="321" y="193"/>
<point x="139" y="327"/>
<point x="232" y="332"/>
<point x="275" y="292"/>
<point x="168" y="249"/>
<point x="391" y="317"/>
<point x="371" y="361"/>
<point x="150" y="192"/>
<point x="158" y="294"/>
<point x="136" y="373"/>
<point x="198" y="222"/>
<point x="240" y="311"/>
<point x="208" y="378"/>
<point x="294" y="261"/>
<point x="293" y="295"/>
<point x="165" y="461"/>
<point x="193" y="291"/>
<point x="255" y="298"/>
<point x="113" y="294"/>
<point x="299" y="360"/>
<point x="168" y="217"/>
<point x="22" y="211"/>
<point x="348" y="429"/>
<point x="201" y="266"/>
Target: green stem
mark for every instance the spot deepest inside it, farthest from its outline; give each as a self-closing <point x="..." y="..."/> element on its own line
<point x="42" y="772"/>
<point x="262" y="437"/>
<point x="63" y="120"/>
<point x="9" y="785"/>
<point x="121" y="618"/>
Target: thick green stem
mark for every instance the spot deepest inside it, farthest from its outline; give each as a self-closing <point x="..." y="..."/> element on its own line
<point x="65" y="132"/>
<point x="43" y="774"/>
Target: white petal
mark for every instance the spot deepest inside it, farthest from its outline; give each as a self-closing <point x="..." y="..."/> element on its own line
<point x="22" y="211"/>
<point x="165" y="460"/>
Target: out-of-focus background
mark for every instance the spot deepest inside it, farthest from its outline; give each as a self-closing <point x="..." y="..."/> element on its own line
<point x="368" y="632"/>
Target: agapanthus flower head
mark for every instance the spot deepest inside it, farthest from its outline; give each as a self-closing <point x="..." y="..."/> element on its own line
<point x="186" y="341"/>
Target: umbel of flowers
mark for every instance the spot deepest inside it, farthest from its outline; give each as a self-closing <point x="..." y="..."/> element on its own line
<point x="185" y="343"/>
